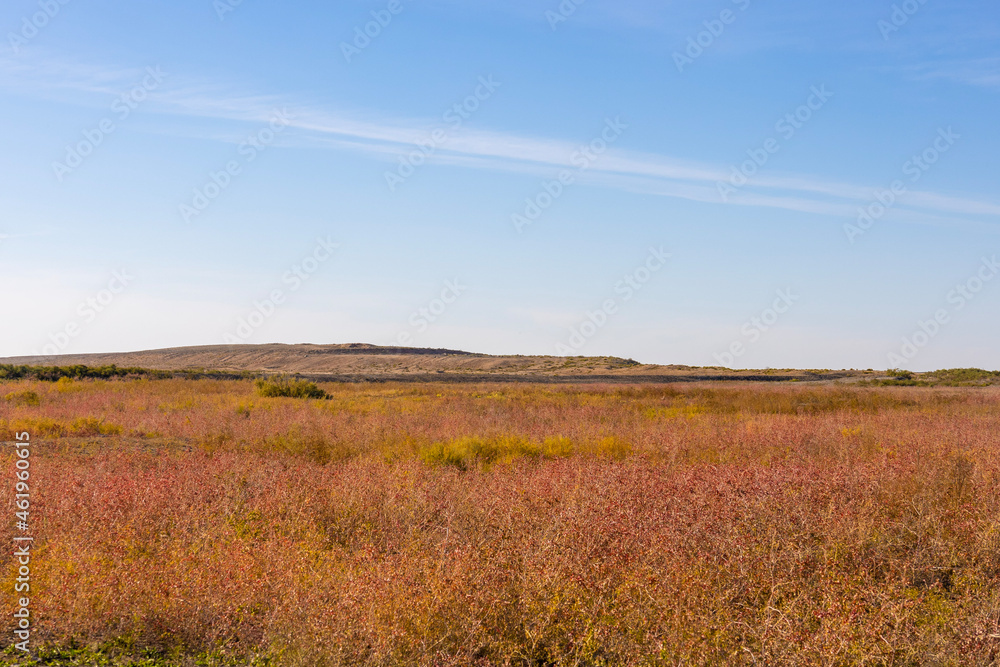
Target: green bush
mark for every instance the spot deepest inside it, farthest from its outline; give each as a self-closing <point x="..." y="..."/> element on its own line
<point x="283" y="386"/>
<point x="966" y="375"/>
<point x="79" y="371"/>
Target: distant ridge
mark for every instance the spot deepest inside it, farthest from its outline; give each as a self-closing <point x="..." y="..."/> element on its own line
<point x="363" y="362"/>
<point x="337" y="359"/>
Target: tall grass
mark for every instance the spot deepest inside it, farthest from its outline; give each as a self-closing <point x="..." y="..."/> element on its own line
<point x="514" y="525"/>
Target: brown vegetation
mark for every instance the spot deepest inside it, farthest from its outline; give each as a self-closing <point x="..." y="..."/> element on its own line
<point x="519" y="525"/>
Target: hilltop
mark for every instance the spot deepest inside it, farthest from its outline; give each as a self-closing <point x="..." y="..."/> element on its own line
<point x="361" y="361"/>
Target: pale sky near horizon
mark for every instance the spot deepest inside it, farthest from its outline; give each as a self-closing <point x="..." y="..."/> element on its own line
<point x="675" y="182"/>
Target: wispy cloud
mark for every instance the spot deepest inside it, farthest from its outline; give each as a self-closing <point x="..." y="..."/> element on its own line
<point x="982" y="72"/>
<point x="23" y="236"/>
<point x="386" y="138"/>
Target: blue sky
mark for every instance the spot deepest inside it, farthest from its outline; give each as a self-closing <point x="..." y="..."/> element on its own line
<point x="505" y="177"/>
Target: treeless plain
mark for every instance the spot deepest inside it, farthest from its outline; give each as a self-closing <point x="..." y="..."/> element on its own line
<point x="197" y="521"/>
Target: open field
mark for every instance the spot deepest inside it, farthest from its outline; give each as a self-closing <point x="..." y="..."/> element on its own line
<point x="503" y="524"/>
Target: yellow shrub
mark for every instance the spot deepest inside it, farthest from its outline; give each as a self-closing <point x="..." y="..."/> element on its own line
<point x="94" y="426"/>
<point x="678" y="412"/>
<point x="47" y="427"/>
<point x="65" y="385"/>
<point x="23" y="398"/>
<point x="313" y="445"/>
<point x="614" y="448"/>
<point x="177" y="406"/>
<point x="468" y="451"/>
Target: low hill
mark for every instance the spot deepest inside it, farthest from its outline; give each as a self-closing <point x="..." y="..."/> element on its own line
<point x="359" y="361"/>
